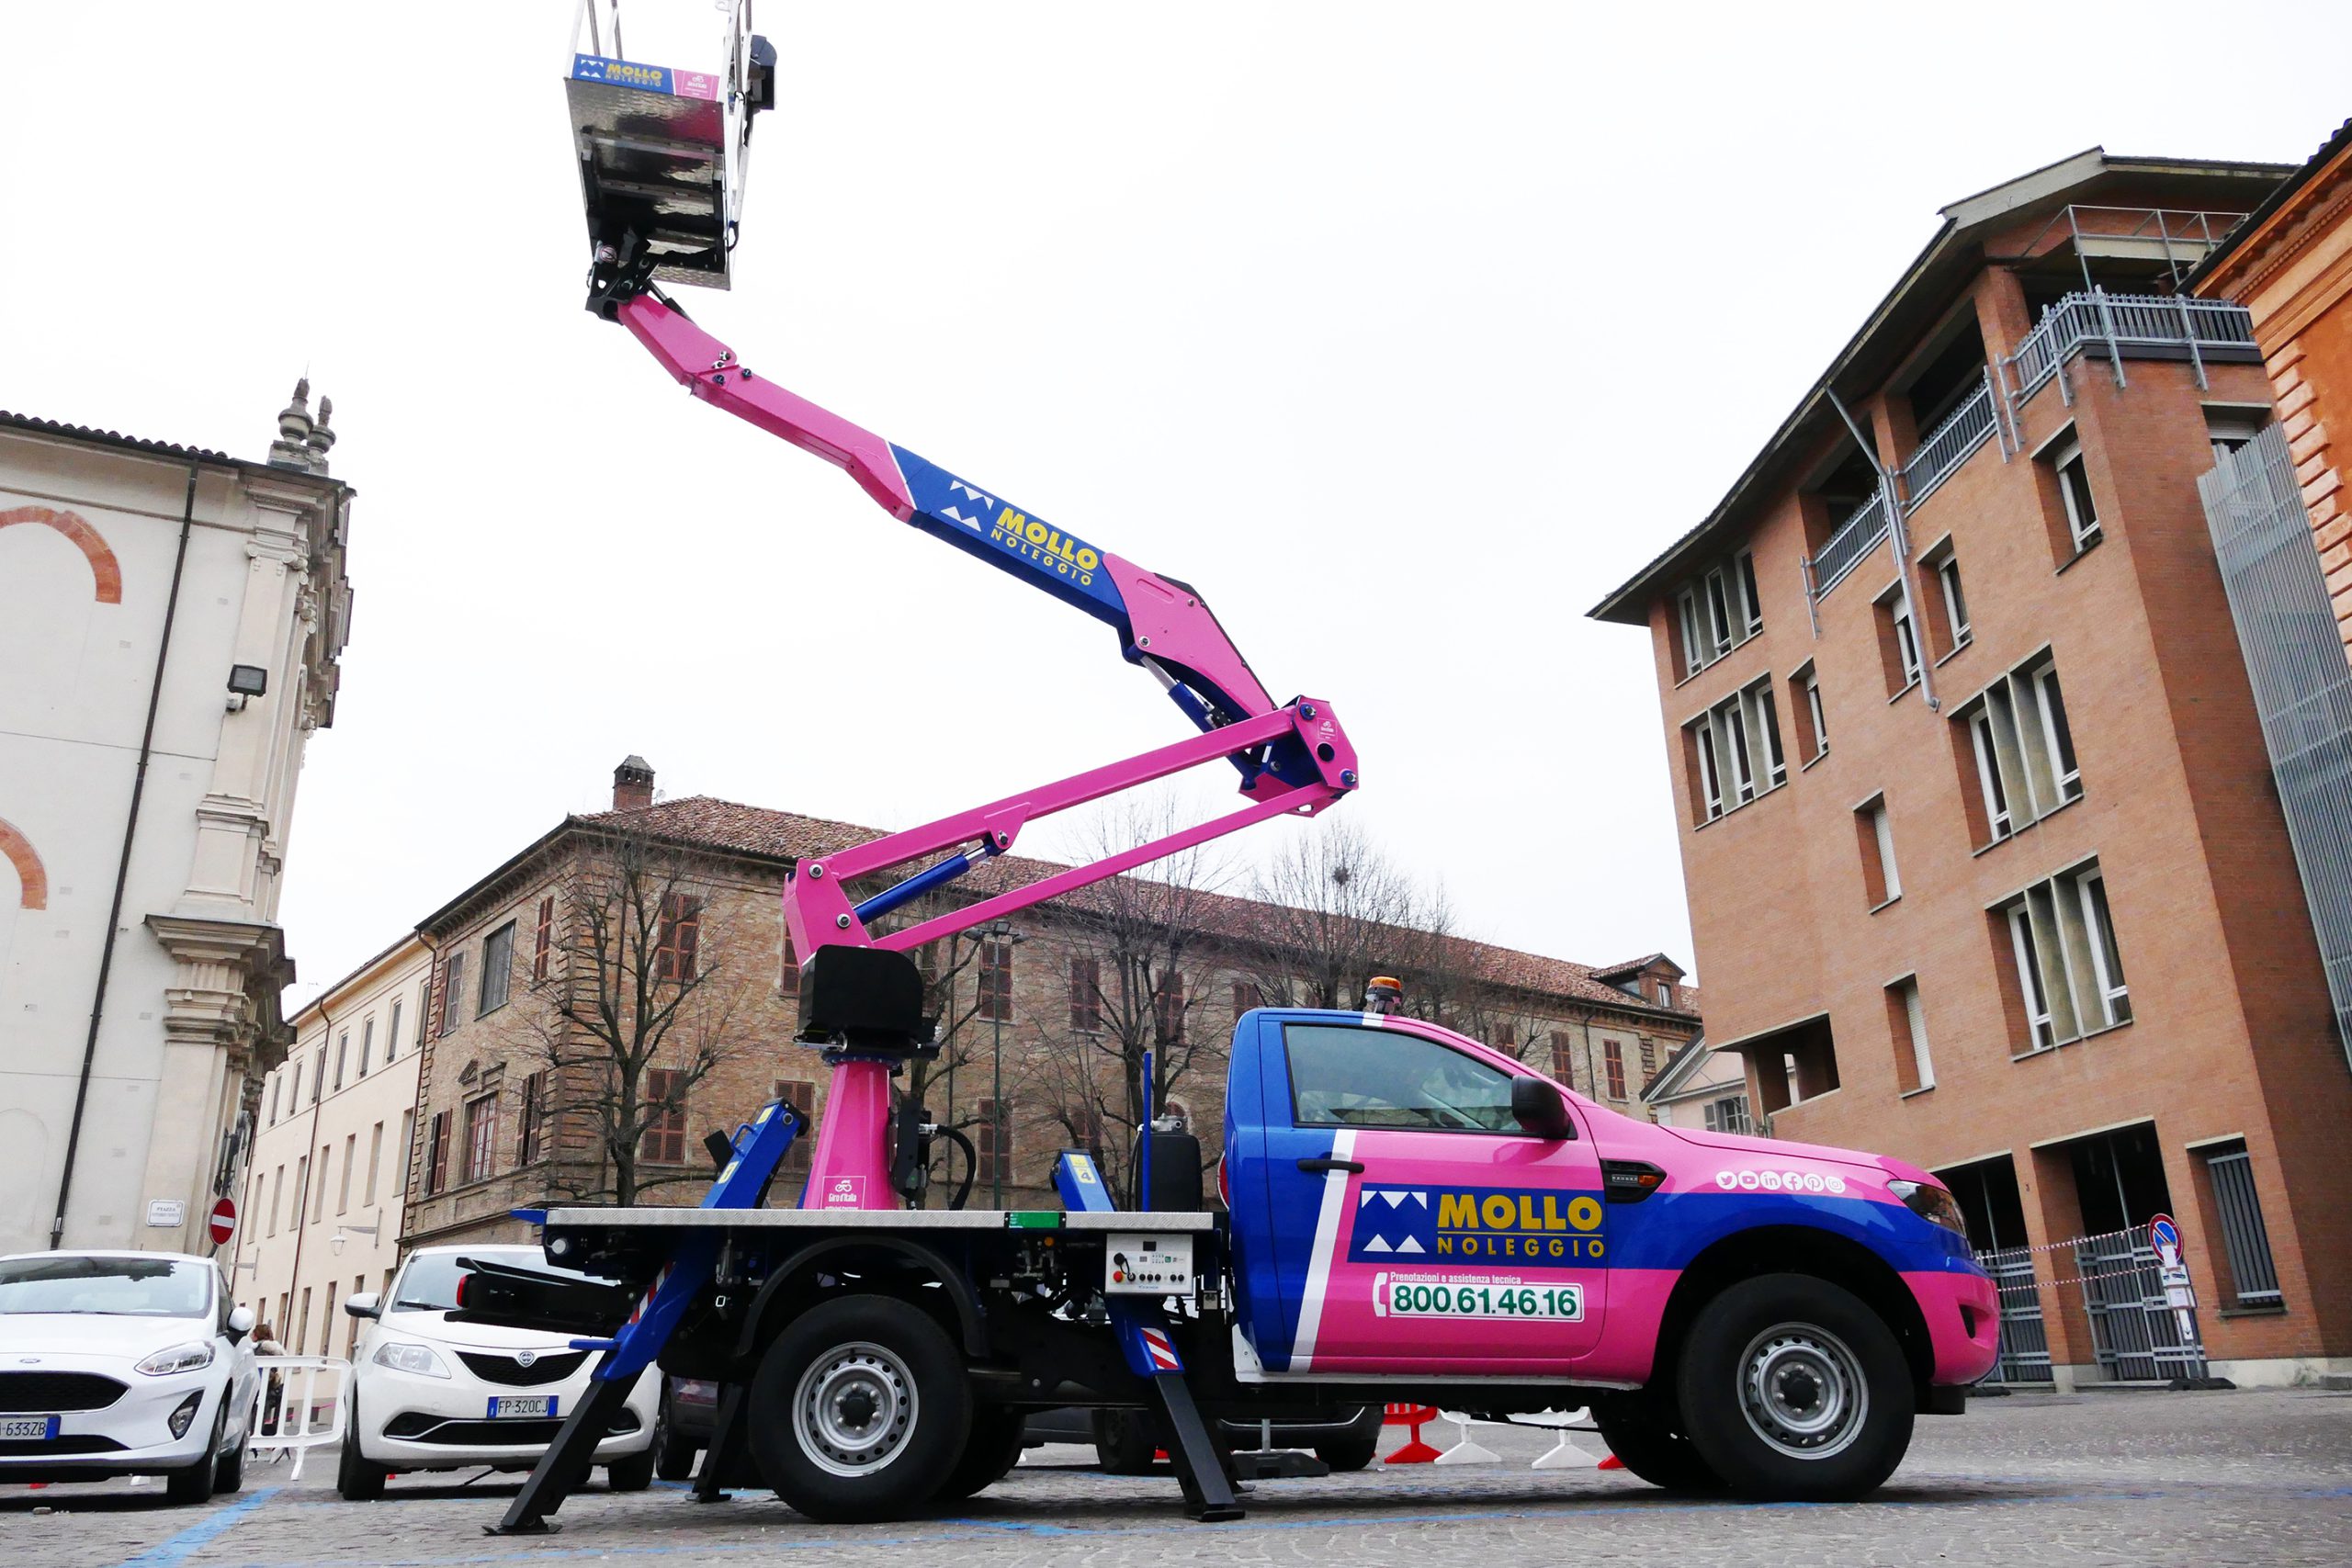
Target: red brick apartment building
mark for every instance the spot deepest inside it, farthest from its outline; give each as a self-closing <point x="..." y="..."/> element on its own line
<point x="1978" y="828"/>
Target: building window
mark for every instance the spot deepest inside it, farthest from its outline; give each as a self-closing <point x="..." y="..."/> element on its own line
<point x="681" y="936"/>
<point x="424" y="1007"/>
<point x="1948" y="627"/>
<point x="276" y="1082"/>
<point x="318" y="1073"/>
<point x="453" y="984"/>
<point x="375" y="1163"/>
<point x="481" y="1136"/>
<point x="302" y="1324"/>
<point x="1666" y="993"/>
<point x="497" y="969"/>
<point x="787" y="977"/>
<point x="318" y="1192"/>
<point x="393" y="1034"/>
<point x="664" y="1141"/>
<point x="342" y="1056"/>
<point x="1168" y="1009"/>
<point x="1735" y="753"/>
<point x="2075" y="493"/>
<point x="801" y="1095"/>
<point x="277" y="1197"/>
<point x="543" y="940"/>
<point x="2068" y="967"/>
<point x="294" y="1086"/>
<point x="350" y="1158"/>
<point x="1813" y="723"/>
<point x="2020" y="759"/>
<point x="366" y="1045"/>
<point x="1612" y="1064"/>
<point x="996" y="980"/>
<point x="1915" y="1069"/>
<point x="531" y="1136"/>
<point x="2245" y="1242"/>
<point x="1718" y="611"/>
<point x="1247" y="995"/>
<point x="1898" y="640"/>
<point x="436" y="1154"/>
<point x="992" y="1137"/>
<point x="1086" y="995"/>
<point x="1728" y="1115"/>
<point x="1874" y="836"/>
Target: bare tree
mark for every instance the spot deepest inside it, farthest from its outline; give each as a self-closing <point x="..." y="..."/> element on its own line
<point x="1141" y="965"/>
<point x="1336" y="912"/>
<point x="634" y="1009"/>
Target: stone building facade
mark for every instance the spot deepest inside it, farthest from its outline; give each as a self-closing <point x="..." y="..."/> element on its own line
<point x="1986" y="865"/>
<point x="1031" y="1009"/>
<point x="170" y="624"/>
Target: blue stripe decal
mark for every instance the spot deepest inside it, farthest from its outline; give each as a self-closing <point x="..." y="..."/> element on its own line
<point x="1002" y="535"/>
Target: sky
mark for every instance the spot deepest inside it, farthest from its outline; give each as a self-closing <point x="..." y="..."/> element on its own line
<point x="1403" y="331"/>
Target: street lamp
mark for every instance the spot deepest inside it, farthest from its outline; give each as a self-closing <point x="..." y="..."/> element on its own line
<point x="993" y="964"/>
<point x="345" y="1233"/>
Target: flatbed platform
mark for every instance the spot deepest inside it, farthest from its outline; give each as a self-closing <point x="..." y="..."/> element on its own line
<point x="1182" y="1223"/>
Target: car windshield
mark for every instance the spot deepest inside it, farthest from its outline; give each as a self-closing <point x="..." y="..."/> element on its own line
<point x="429" y="1283"/>
<point x="121" y="1287"/>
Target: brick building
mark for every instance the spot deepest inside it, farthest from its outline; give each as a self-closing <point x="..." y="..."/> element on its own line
<point x="1986" y="861"/>
<point x="494" y="1133"/>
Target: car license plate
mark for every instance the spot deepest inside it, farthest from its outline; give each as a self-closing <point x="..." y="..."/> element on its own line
<point x="515" y="1407"/>
<point x="27" y="1429"/>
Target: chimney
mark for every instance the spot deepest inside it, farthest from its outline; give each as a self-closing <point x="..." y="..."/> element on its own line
<point x="632" y="785"/>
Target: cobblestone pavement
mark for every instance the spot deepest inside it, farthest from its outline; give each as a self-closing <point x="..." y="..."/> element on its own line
<point x="2120" y="1478"/>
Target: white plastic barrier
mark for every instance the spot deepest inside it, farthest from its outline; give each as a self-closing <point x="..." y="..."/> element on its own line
<point x="291" y="1411"/>
<point x="1563" y="1454"/>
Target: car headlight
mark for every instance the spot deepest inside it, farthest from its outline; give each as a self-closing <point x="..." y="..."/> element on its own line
<point x="406" y="1357"/>
<point x="1932" y="1203"/>
<point x="179" y="1358"/>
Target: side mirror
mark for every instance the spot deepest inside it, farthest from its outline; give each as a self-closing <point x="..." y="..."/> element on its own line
<point x="240" y="1323"/>
<point x="1538" y="1106"/>
<point x="363" y="1304"/>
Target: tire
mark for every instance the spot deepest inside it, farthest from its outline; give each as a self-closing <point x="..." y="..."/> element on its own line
<point x="634" y="1473"/>
<point x="354" y="1478"/>
<point x="229" y="1472"/>
<point x="989" y="1453"/>
<point x="863" y="1410"/>
<point x="673" y="1457"/>
<point x="1124" y="1442"/>
<point x="1640" y="1431"/>
<point x="192" y="1484"/>
<point x="1355" y="1448"/>
<point x="1792" y="1390"/>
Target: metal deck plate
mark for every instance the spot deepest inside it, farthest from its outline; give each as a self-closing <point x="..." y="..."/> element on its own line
<point x="652" y="144"/>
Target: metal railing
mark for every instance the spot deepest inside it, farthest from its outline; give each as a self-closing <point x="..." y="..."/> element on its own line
<point x="290" y="1413"/>
<point x="2025" y="1338"/>
<point x="2136" y="1335"/>
<point x="2137" y="321"/>
<point x="1948" y="446"/>
<point x="1848" y="543"/>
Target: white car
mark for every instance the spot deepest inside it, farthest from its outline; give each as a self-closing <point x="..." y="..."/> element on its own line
<point x="428" y="1393"/>
<point x="123" y="1363"/>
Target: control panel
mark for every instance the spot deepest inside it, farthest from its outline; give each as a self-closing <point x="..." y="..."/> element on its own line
<point x="1137" y="1263"/>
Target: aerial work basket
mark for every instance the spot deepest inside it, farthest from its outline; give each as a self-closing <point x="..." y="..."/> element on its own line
<point x="662" y="151"/>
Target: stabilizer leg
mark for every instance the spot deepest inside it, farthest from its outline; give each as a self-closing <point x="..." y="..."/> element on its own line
<point x="724" y="1462"/>
<point x="566" y="1463"/>
<point x="1208" y="1495"/>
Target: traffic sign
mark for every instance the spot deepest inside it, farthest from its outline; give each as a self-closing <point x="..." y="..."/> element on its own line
<point x="224" y="1224"/>
<point x="2164" y="1237"/>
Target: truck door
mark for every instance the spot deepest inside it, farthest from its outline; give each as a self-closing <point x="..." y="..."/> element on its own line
<point x="1417" y="1228"/>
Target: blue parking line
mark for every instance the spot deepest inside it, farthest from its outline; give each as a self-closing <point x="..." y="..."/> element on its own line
<point x="179" y="1548"/>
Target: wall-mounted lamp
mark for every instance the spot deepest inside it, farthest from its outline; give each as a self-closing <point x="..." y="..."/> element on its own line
<point x="345" y="1233"/>
<point x="245" y="681"/>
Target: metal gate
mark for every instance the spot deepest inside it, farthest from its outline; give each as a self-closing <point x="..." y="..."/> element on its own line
<point x="2135" y="1334"/>
<point x="2025" y="1339"/>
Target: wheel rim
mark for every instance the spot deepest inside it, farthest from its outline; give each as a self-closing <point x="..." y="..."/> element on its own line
<point x="855" y="1409"/>
<point x="1803" y="1391"/>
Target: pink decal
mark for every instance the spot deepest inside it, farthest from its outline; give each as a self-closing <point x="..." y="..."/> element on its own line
<point x="693" y="84"/>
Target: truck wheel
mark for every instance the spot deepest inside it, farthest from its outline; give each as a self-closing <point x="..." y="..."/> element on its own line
<point x="1124" y="1442"/>
<point x="989" y="1453"/>
<point x="1358" y="1447"/>
<point x="1638" y="1431"/>
<point x="1792" y="1390"/>
<point x="863" y="1410"/>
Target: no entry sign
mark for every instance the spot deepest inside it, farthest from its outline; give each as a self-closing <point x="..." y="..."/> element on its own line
<point x="224" y="1224"/>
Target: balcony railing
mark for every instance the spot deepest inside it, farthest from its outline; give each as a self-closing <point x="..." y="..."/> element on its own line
<point x="1848" y="543"/>
<point x="1948" y="446"/>
<point x="2125" y="320"/>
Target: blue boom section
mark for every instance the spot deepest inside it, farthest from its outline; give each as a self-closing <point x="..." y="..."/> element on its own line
<point x="1002" y="535"/>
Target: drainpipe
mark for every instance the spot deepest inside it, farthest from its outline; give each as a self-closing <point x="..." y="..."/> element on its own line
<point x="123" y="868"/>
<point x="1900" y="537"/>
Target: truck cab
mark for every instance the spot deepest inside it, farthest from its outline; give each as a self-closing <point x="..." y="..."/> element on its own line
<point x="1410" y="1205"/>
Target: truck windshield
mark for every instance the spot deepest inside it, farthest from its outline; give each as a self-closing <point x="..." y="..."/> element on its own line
<point x="1344" y="1077"/>
<point x="115" y="1287"/>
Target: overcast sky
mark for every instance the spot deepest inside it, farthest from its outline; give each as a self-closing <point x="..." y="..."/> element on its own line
<point x="1405" y="331"/>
